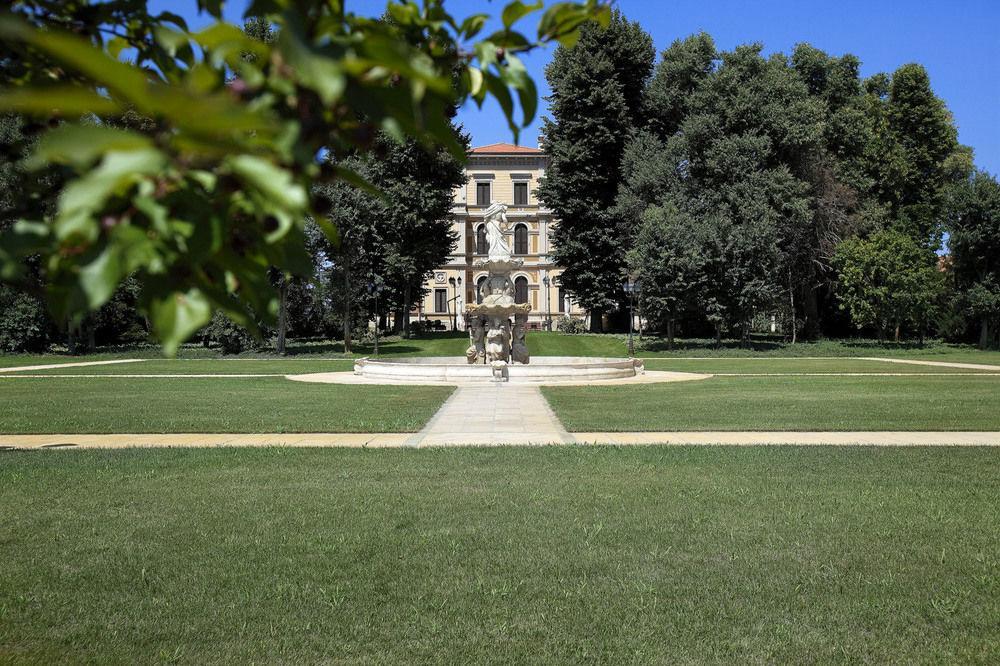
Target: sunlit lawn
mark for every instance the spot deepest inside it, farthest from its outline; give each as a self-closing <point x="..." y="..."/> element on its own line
<point x="784" y="403"/>
<point x="244" y="405"/>
<point x="552" y="555"/>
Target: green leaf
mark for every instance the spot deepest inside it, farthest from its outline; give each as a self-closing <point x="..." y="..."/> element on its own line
<point x="516" y="76"/>
<point x="56" y="101"/>
<point x="473" y="25"/>
<point x="82" y="145"/>
<point x="514" y="11"/>
<point x="21" y="240"/>
<point x="99" y="279"/>
<point x="311" y="67"/>
<point x="176" y="316"/>
<point x="119" y="77"/>
<point x="117" y="172"/>
<point x="275" y="183"/>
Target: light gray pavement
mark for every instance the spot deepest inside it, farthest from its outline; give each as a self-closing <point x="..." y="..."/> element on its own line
<point x="53" y="366"/>
<point x="525" y="436"/>
<point x="939" y="364"/>
<point x="493" y="414"/>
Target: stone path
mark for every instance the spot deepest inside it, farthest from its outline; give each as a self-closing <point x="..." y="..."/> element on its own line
<point x="53" y="366"/>
<point x="444" y="438"/>
<point x="940" y="364"/>
<point x="493" y="414"/>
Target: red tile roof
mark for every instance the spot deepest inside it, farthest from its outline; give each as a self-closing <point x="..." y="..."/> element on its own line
<point x="506" y="149"/>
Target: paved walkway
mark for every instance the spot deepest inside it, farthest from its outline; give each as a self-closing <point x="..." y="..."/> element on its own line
<point x="81" y="364"/>
<point x="493" y="414"/>
<point x="939" y="364"/>
<point x="525" y="436"/>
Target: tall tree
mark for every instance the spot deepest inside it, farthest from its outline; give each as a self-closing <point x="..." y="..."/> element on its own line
<point x="888" y="281"/>
<point x="973" y="223"/>
<point x="596" y="102"/>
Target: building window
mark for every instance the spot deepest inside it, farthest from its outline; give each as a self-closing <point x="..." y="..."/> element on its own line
<point x="521" y="290"/>
<point x="440" y="300"/>
<point x="521" y="239"/>
<point x="482" y="245"/>
<point x="520" y="194"/>
<point x="562" y="300"/>
<point x="479" y="289"/>
<point x="482" y="193"/>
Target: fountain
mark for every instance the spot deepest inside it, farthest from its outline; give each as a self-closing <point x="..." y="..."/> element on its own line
<point x="498" y="349"/>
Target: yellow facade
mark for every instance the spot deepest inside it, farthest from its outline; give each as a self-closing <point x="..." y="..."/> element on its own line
<point x="494" y="174"/>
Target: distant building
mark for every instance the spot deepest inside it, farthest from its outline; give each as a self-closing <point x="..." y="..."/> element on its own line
<point x="507" y="174"/>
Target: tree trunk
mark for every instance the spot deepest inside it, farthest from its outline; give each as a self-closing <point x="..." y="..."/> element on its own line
<point x="90" y="327"/>
<point x="279" y="345"/>
<point x="406" y="310"/>
<point x="791" y="301"/>
<point x="897" y="333"/>
<point x="718" y="335"/>
<point x="670" y="332"/>
<point x="347" y="304"/>
<point x="810" y="315"/>
<point x="596" y="323"/>
<point x="745" y="335"/>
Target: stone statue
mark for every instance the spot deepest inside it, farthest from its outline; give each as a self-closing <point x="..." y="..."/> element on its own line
<point x="497" y="228"/>
<point x="497" y="290"/>
<point x="518" y="347"/>
<point x="496" y="340"/>
<point x="477" y="343"/>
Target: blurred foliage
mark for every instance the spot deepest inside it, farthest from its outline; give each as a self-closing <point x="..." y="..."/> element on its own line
<point x="213" y="187"/>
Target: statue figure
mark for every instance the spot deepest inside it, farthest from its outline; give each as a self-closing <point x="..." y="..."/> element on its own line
<point x="497" y="338"/>
<point x="497" y="290"/>
<point x="477" y="345"/>
<point x="518" y="346"/>
<point x="496" y="228"/>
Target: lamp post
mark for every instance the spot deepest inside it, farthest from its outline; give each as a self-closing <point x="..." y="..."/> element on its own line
<point x="373" y="288"/>
<point x="548" y="304"/>
<point x="631" y="287"/>
<point x="458" y="300"/>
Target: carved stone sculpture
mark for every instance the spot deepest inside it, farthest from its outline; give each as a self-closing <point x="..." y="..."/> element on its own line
<point x="476" y="353"/>
<point x="518" y="346"/>
<point x="490" y="336"/>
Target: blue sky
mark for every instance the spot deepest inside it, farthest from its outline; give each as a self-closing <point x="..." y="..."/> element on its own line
<point x="958" y="41"/>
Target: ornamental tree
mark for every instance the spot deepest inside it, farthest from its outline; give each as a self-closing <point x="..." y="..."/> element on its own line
<point x="217" y="189"/>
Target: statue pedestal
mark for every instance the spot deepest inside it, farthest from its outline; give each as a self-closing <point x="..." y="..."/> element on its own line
<point x="493" y="335"/>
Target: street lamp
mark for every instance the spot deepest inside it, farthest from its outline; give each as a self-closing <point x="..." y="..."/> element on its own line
<point x="373" y="288"/>
<point x="548" y="304"/>
<point x="631" y="287"/>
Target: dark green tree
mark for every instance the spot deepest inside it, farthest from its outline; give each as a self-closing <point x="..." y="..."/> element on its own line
<point x="596" y="102"/>
<point x="973" y="223"/>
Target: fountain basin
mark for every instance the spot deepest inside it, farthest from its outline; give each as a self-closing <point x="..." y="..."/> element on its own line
<point x="541" y="370"/>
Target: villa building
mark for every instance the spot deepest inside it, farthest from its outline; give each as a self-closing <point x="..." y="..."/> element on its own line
<point x="507" y="174"/>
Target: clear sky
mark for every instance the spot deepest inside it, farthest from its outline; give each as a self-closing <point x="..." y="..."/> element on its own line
<point x="958" y="41"/>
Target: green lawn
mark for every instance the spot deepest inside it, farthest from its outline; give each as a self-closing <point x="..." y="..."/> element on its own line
<point x="784" y="403"/>
<point x="245" y="405"/>
<point x="544" y="343"/>
<point x="552" y="555"/>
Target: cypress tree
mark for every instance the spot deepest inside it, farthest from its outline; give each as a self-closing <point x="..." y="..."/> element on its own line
<point x="596" y="102"/>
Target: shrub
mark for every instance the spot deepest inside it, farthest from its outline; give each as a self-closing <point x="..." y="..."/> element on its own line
<point x="569" y="324"/>
<point x="24" y="324"/>
<point x="230" y="336"/>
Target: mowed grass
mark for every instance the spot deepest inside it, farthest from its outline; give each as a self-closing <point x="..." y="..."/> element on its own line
<point x="784" y="403"/>
<point x="243" y="405"/>
<point x="512" y="555"/>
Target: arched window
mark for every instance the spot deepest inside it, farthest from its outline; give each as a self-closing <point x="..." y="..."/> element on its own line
<point x="521" y="290"/>
<point x="482" y="245"/>
<point x="479" y="289"/>
<point x="521" y="239"/>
